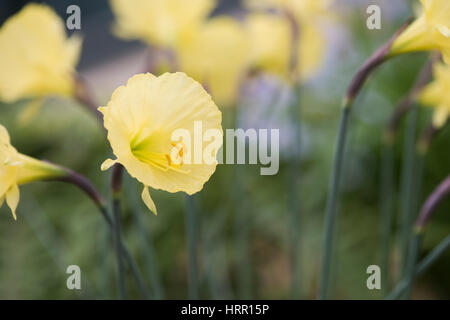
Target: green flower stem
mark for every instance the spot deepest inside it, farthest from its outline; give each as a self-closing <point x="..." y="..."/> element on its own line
<point x="358" y="81"/>
<point x="294" y="199"/>
<point x="192" y="240"/>
<point x="422" y="267"/>
<point x="147" y="243"/>
<point x="116" y="183"/>
<point x="330" y="214"/>
<point x="428" y="209"/>
<point x="412" y="260"/>
<point x="407" y="185"/>
<point x="86" y="186"/>
<point x="294" y="166"/>
<point x="387" y="210"/>
<point x="387" y="170"/>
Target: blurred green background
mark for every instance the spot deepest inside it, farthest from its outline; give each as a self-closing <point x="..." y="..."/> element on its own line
<point x="58" y="226"/>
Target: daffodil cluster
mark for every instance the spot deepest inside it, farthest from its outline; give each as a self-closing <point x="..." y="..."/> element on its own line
<point x="220" y="51"/>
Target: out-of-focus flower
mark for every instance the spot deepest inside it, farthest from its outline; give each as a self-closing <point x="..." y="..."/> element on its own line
<point x="430" y="31"/>
<point x="36" y="57"/>
<point x="163" y="23"/>
<point x="17" y="169"/>
<point x="303" y="10"/>
<point x="437" y="95"/>
<point x="217" y="56"/>
<point x="141" y="119"/>
<point x="271" y="45"/>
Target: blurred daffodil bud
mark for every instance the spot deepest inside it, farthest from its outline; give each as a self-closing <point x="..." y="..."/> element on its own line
<point x="17" y="169"/>
<point x="430" y="31"/>
<point x="162" y="23"/>
<point x="144" y="120"/>
<point x="271" y="38"/>
<point x="437" y="95"/>
<point x="37" y="59"/>
<point x="217" y="56"/>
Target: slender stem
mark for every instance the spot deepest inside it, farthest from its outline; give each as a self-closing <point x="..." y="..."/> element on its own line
<point x="412" y="260"/>
<point x="330" y="214"/>
<point x="353" y="90"/>
<point x="387" y="179"/>
<point x="86" y="186"/>
<point x="439" y="194"/>
<point x="147" y="244"/>
<point x="191" y="233"/>
<point x="294" y="197"/>
<point x="429" y="207"/>
<point x="387" y="211"/>
<point x="407" y="185"/>
<point x="116" y="183"/>
<point x="422" y="267"/>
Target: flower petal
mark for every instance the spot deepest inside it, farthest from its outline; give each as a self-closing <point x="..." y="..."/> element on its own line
<point x="12" y="199"/>
<point x="108" y="163"/>
<point x="148" y="200"/>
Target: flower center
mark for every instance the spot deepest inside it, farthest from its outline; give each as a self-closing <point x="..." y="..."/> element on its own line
<point x="145" y="152"/>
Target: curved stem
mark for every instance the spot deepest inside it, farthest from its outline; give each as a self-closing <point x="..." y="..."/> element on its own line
<point x="330" y="213"/>
<point x="86" y="186"/>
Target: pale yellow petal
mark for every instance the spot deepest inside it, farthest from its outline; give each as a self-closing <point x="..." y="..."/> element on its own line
<point x="108" y="163"/>
<point x="440" y="117"/>
<point x="12" y="199"/>
<point x="148" y="200"/>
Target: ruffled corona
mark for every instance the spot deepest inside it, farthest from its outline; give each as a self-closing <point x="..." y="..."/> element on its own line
<point x="162" y="23"/>
<point x="437" y="95"/>
<point x="430" y="31"/>
<point x="36" y="59"/>
<point x="17" y="169"/>
<point x="142" y="118"/>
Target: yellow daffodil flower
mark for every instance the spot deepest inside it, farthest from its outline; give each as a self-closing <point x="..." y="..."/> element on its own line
<point x="271" y="42"/>
<point x="217" y="56"/>
<point x="17" y="169"/>
<point x="437" y="95"/>
<point x="430" y="31"/>
<point x="141" y="119"/>
<point x="162" y="23"/>
<point x="36" y="57"/>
